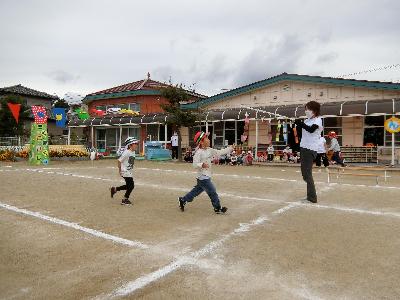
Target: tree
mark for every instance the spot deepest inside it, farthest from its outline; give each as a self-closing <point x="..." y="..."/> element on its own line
<point x="60" y="103"/>
<point x="8" y="124"/>
<point x="178" y="118"/>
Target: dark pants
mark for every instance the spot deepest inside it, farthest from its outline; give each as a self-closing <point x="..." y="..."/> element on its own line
<point x="324" y="160"/>
<point x="129" y="186"/>
<point x="174" y="152"/>
<point x="307" y="160"/>
<point x="270" y="157"/>
<point x="337" y="159"/>
<point x="207" y="186"/>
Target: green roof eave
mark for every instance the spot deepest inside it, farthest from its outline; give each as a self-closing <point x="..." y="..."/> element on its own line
<point x="293" y="77"/>
<point x="121" y="95"/>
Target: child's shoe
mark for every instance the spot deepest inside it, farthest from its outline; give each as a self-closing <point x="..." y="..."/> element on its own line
<point x="126" y="202"/>
<point x="181" y="204"/>
<point x="220" y="210"/>
<point x="113" y="190"/>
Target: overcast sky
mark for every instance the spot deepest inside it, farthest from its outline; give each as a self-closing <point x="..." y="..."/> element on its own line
<point x="85" y="46"/>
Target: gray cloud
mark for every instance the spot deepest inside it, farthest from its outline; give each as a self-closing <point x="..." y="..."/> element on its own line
<point x="62" y="76"/>
<point x="326" y="58"/>
<point x="234" y="43"/>
<point x="270" y="58"/>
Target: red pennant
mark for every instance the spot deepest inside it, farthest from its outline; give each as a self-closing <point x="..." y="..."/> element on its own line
<point x="15" y="108"/>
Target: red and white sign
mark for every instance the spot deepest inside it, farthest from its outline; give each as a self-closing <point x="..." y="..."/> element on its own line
<point x="39" y="112"/>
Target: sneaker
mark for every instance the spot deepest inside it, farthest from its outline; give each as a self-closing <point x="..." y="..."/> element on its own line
<point x="126" y="202"/>
<point x="220" y="210"/>
<point x="181" y="204"/>
<point x="305" y="200"/>
<point x="113" y="190"/>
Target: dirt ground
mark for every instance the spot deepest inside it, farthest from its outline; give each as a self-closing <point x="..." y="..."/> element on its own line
<point x="63" y="237"/>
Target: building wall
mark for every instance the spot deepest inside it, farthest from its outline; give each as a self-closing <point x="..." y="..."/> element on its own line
<point x="37" y="101"/>
<point x="185" y="137"/>
<point x="148" y="104"/>
<point x="285" y="93"/>
<point x="353" y="131"/>
<point x="262" y="133"/>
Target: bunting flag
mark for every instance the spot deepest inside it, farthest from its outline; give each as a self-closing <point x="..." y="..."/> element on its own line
<point x="15" y="108"/>
<point x="61" y="117"/>
<point x="39" y="112"/>
<point x="285" y="134"/>
<point x="82" y="115"/>
<point x="278" y="131"/>
<point x="296" y="138"/>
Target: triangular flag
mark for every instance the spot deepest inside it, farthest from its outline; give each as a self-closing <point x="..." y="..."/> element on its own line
<point x="15" y="108"/>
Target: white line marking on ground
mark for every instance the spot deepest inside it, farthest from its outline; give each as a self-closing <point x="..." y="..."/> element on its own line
<point x="90" y="231"/>
<point x="163" y="187"/>
<point x="355" y="210"/>
<point x="190" y="258"/>
<point x="270" y="178"/>
<point x="241" y="177"/>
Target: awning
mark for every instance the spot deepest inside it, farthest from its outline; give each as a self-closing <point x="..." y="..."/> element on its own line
<point x="331" y="109"/>
<point x="382" y="107"/>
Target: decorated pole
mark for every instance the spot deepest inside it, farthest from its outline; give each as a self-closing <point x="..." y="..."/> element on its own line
<point x="39" y="142"/>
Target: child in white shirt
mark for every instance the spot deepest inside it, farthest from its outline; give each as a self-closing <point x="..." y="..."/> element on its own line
<point x="202" y="162"/>
<point x="125" y="167"/>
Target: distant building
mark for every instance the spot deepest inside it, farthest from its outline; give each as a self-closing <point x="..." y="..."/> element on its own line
<point x="34" y="97"/>
<point x="354" y="109"/>
<point x="144" y="118"/>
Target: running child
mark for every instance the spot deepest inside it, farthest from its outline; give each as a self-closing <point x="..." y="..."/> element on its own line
<point x="125" y="168"/>
<point x="322" y="153"/>
<point x="335" y="147"/>
<point x="202" y="162"/>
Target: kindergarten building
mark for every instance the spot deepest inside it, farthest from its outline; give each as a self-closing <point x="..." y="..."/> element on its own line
<point x="132" y="109"/>
<point x="253" y="115"/>
<point x="354" y="109"/>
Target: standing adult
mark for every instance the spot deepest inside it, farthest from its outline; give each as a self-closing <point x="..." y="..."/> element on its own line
<point x="174" y="145"/>
<point x="311" y="132"/>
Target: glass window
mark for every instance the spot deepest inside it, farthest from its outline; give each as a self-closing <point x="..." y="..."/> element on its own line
<point x="134" y="107"/>
<point x="123" y="106"/>
<point x="374" y="132"/>
<point x="374" y="135"/>
<point x="332" y="122"/>
<point x="240" y="131"/>
<point x="111" y="137"/>
<point x="101" y="139"/>
<point x="135" y="132"/>
<point x="229" y="125"/>
<point x="152" y="132"/>
<point x="374" y="121"/>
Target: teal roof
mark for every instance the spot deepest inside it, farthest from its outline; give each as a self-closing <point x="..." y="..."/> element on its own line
<point x="294" y="77"/>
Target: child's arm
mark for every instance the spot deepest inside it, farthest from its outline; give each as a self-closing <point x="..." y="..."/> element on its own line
<point x="119" y="167"/>
<point x="221" y="152"/>
<point x="120" y="160"/>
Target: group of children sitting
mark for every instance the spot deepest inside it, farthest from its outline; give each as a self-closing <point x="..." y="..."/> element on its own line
<point x="233" y="159"/>
<point x="288" y="155"/>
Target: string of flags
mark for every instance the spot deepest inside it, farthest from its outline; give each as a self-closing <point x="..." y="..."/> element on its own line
<point x="15" y="109"/>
